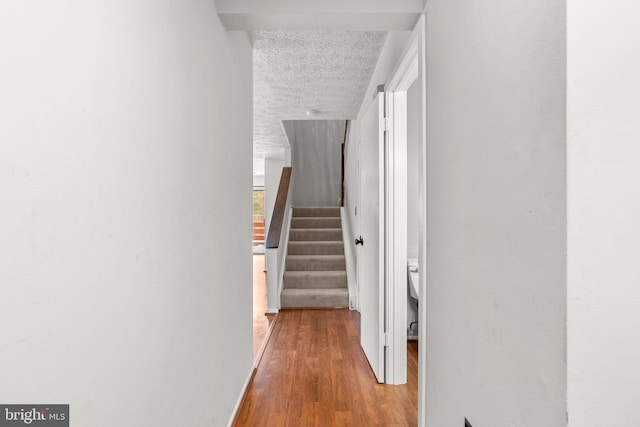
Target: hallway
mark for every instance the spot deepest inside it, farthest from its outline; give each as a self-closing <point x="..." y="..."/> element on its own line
<point x="313" y="372"/>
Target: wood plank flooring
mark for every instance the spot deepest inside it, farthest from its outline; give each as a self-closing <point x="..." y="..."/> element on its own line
<point x="313" y="373"/>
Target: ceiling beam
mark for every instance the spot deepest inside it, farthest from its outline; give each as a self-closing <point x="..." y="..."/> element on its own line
<point x="363" y="15"/>
<point x="359" y="21"/>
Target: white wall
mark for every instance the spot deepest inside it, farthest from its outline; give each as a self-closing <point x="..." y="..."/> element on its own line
<point x="603" y="129"/>
<point x="258" y="181"/>
<point x="125" y="222"/>
<point x="496" y="285"/>
<point x="316" y="159"/>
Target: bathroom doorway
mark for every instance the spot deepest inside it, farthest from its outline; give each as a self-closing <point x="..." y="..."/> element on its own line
<point x="406" y="210"/>
<point x="413" y="99"/>
<point x="413" y="208"/>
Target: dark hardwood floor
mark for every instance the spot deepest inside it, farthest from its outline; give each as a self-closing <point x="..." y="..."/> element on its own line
<point x="313" y="373"/>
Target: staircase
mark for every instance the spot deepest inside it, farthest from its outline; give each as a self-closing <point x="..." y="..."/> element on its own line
<point x="315" y="274"/>
<point x="258" y="230"/>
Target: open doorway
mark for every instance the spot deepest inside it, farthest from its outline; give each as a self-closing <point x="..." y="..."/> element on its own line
<point x="258" y="220"/>
<point x="383" y="161"/>
<point x="261" y="320"/>
<point x="413" y="226"/>
<point x="405" y="181"/>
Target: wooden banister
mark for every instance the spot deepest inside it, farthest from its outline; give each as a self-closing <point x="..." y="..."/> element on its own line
<point x="343" y="149"/>
<point x="275" y="228"/>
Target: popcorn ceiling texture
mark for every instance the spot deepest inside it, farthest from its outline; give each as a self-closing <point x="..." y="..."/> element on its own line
<point x="297" y="71"/>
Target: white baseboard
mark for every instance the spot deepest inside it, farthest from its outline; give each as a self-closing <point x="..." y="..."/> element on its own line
<point x="256" y="362"/>
<point x="234" y="414"/>
<point x="265" y="341"/>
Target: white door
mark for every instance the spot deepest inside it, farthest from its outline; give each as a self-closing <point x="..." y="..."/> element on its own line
<point x="371" y="253"/>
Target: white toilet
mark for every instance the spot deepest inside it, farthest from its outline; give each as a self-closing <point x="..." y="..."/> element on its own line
<point x="412" y="273"/>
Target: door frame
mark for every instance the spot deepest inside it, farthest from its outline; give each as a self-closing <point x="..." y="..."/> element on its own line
<point x="410" y="67"/>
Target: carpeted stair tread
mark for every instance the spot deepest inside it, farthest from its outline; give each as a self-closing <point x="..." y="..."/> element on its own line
<point x="315" y="279"/>
<point x="315" y="273"/>
<point x="315" y="234"/>
<point x="316" y="212"/>
<point x="315" y="262"/>
<point x="315" y="222"/>
<point x="298" y="298"/>
<point x="316" y="248"/>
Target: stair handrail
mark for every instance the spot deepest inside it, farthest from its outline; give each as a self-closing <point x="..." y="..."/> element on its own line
<point x="342" y="161"/>
<point x="279" y="210"/>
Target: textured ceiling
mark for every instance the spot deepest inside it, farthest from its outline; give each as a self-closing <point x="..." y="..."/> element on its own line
<point x="296" y="72"/>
